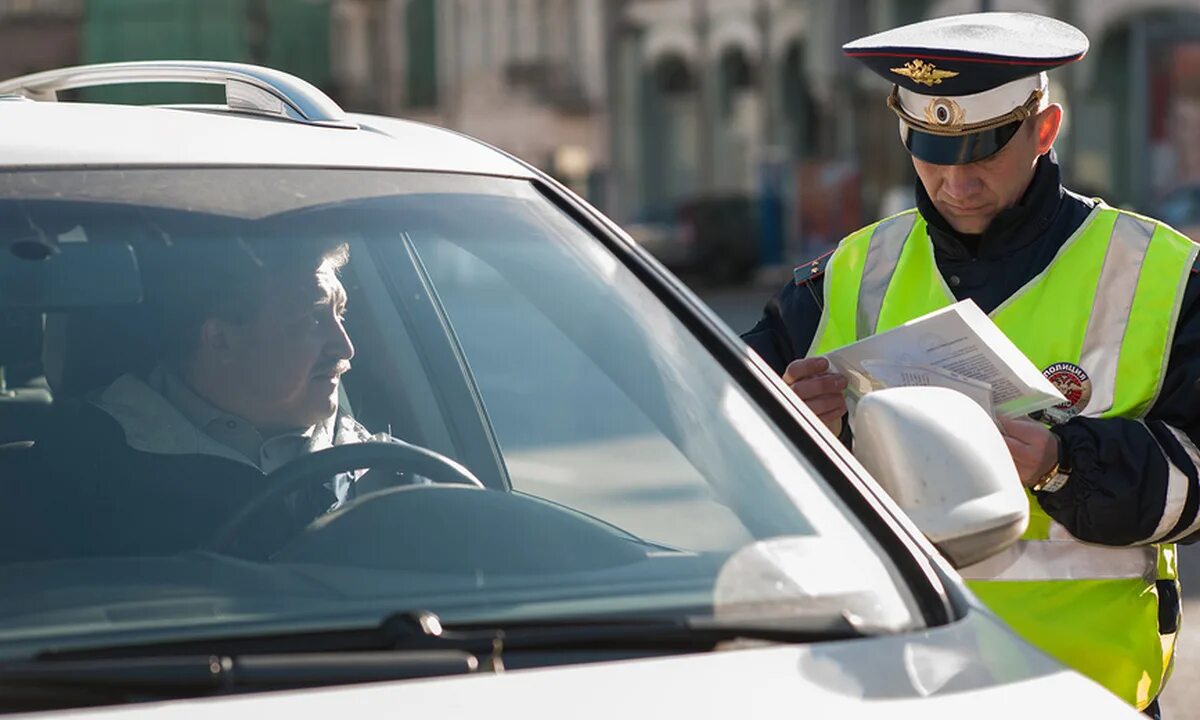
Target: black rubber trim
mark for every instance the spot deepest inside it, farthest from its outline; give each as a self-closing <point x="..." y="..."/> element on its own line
<point x="417" y="302"/>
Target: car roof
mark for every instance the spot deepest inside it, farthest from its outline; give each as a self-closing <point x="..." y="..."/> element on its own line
<point x="61" y="134"/>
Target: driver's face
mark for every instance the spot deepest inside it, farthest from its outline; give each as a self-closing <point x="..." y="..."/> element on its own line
<point x="287" y="362"/>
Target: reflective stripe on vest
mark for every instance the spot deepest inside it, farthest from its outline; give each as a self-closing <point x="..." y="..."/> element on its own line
<point x="1177" y="492"/>
<point x="1065" y="560"/>
<point x="1108" y="303"/>
<point x="883" y="254"/>
<point x="1110" y="310"/>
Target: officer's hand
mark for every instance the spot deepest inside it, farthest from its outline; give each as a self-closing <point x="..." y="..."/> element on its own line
<point x="1034" y="448"/>
<point x="820" y="389"/>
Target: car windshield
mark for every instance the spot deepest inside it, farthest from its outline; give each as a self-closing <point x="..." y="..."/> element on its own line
<point x="241" y="398"/>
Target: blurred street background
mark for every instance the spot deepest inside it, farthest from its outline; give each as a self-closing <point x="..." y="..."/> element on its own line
<point x="730" y="137"/>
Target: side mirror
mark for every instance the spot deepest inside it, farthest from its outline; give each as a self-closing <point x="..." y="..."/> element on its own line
<point x="942" y="459"/>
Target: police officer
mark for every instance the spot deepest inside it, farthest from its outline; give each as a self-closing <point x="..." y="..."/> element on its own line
<point x="1102" y="300"/>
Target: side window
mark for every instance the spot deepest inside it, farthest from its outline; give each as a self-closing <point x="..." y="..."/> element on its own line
<point x="569" y="432"/>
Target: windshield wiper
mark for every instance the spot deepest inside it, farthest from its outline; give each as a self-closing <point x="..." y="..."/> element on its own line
<point x="424" y="631"/>
<point x="404" y="646"/>
<point x="679" y="633"/>
<point x="46" y="684"/>
<point x="214" y="672"/>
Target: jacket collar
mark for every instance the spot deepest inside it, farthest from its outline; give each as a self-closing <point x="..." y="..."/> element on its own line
<point x="152" y="424"/>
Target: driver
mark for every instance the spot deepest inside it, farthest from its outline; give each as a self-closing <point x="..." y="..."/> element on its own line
<point x="253" y="355"/>
<point x="253" y="351"/>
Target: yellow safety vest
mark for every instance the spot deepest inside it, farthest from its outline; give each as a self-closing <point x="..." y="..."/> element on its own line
<point x="1107" y="303"/>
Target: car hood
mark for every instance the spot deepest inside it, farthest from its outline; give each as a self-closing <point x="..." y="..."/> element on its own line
<point x="952" y="672"/>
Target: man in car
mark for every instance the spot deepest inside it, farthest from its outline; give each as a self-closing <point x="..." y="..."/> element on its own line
<point x="1105" y="302"/>
<point x="253" y="347"/>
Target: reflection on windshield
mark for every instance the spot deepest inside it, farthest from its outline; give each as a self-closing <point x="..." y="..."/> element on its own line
<point x="343" y="393"/>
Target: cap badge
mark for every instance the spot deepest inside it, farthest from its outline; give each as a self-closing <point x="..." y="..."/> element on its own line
<point x="1075" y="385"/>
<point x="944" y="111"/>
<point x="924" y="73"/>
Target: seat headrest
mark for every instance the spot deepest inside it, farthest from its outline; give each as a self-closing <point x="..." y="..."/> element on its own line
<point x="86" y="350"/>
<point x="21" y="331"/>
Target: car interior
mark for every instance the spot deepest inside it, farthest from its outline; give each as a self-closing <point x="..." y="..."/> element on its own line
<point x="67" y="348"/>
<point x="409" y="377"/>
<point x="24" y="393"/>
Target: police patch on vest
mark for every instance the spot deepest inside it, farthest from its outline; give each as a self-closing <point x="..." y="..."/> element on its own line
<point x="1076" y="387"/>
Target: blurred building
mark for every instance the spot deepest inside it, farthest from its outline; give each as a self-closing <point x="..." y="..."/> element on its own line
<point x="383" y="55"/>
<point x="525" y="75"/>
<point x="291" y="35"/>
<point x="753" y="97"/>
<point x="736" y="118"/>
<point x="38" y="35"/>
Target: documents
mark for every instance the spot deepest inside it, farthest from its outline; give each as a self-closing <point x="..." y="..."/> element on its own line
<point x="958" y="347"/>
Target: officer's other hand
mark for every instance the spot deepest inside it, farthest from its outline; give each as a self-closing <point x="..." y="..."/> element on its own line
<point x="820" y="389"/>
<point x="1034" y="449"/>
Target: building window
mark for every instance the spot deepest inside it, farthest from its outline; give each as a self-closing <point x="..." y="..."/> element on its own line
<point x="420" y="24"/>
<point x="543" y="29"/>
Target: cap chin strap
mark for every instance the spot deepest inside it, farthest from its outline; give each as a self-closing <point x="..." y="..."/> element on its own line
<point x="1021" y="113"/>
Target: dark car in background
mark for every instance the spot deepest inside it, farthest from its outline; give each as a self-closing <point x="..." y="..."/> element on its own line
<point x="713" y="239"/>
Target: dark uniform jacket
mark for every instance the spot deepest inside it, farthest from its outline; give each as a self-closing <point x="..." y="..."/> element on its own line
<point x="1119" y="475"/>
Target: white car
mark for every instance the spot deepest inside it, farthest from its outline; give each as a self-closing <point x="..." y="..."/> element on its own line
<point x="587" y="497"/>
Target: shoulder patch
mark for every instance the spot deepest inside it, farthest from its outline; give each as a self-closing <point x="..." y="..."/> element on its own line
<point x="809" y="271"/>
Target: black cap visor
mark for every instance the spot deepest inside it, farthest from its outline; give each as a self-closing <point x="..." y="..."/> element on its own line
<point x="958" y="149"/>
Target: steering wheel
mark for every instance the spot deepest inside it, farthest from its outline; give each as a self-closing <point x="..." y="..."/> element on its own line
<point x="319" y="467"/>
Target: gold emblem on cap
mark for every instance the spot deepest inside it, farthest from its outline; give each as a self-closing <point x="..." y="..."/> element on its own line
<point x="924" y="73"/>
<point x="945" y="112"/>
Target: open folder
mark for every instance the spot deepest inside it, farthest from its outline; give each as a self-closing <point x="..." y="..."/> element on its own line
<point x="958" y="347"/>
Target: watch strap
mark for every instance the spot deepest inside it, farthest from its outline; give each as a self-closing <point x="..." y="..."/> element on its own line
<point x="1052" y="481"/>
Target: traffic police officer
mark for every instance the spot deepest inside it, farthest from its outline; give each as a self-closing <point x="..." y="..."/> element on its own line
<point x="1102" y="300"/>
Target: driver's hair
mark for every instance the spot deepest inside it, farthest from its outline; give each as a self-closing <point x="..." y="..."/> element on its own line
<point x="225" y="280"/>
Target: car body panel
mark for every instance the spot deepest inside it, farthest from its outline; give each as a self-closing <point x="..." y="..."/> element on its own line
<point x="76" y="135"/>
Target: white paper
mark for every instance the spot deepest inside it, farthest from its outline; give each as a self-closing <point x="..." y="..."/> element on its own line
<point x="958" y="347"/>
<point x="889" y="374"/>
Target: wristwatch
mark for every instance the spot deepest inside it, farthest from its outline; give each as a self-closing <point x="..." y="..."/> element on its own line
<point x="1057" y="477"/>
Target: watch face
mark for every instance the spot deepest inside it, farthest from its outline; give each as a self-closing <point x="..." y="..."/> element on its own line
<point x="1054" y="483"/>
